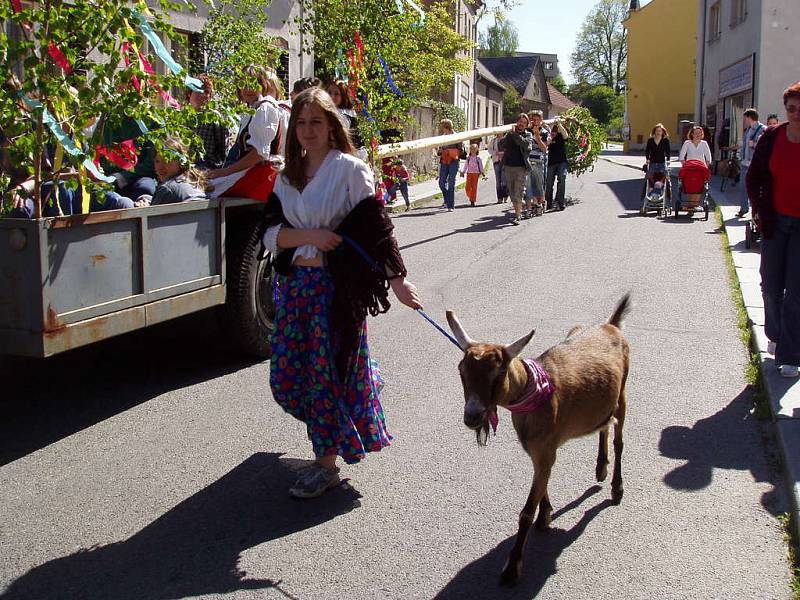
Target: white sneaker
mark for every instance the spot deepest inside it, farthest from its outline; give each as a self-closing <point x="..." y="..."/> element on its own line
<point x="771" y="348"/>
<point x="789" y="370"/>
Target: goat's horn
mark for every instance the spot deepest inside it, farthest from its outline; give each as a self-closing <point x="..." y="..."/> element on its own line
<point x="513" y="349"/>
<point x="463" y="339"/>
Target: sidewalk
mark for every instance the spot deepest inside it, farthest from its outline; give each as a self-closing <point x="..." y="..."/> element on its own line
<point x="421" y="193"/>
<point x="783" y="394"/>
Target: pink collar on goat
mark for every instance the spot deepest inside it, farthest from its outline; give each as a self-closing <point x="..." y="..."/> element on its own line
<point x="537" y="392"/>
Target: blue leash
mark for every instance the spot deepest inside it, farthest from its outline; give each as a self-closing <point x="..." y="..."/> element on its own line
<point x="377" y="268"/>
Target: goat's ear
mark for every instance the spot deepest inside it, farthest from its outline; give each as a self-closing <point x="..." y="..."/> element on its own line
<point x="513" y="349"/>
<point x="463" y="339"/>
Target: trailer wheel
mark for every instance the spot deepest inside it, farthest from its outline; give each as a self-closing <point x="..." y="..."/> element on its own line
<point x="249" y="311"/>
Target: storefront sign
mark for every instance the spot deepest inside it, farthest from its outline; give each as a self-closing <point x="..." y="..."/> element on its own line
<point x="736" y="78"/>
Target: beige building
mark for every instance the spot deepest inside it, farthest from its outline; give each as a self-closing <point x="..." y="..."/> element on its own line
<point x="661" y="69"/>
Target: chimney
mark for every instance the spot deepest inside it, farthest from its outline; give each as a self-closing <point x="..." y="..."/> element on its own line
<point x="634" y="5"/>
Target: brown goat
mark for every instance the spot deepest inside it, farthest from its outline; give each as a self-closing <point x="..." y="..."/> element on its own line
<point x="587" y="373"/>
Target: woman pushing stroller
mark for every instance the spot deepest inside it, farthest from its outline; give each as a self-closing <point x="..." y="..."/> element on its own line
<point x="656" y="187"/>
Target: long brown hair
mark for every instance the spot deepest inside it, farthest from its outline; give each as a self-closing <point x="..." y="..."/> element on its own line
<point x="295" y="169"/>
<point x="344" y="93"/>
<point x="175" y="149"/>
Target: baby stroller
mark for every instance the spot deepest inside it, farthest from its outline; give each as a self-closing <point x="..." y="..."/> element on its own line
<point x="693" y="181"/>
<point x="657" y="194"/>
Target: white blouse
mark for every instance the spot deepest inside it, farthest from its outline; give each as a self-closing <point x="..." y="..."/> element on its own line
<point x="263" y="127"/>
<point x="340" y="183"/>
<point x="691" y="152"/>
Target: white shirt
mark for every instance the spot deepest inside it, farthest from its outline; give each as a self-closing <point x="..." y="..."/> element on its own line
<point x="340" y="183"/>
<point x="691" y="152"/>
<point x="262" y="129"/>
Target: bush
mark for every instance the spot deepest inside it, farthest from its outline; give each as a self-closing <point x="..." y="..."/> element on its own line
<point x="443" y="110"/>
<point x="585" y="141"/>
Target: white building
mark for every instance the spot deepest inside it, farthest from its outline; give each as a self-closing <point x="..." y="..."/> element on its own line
<point x="747" y="54"/>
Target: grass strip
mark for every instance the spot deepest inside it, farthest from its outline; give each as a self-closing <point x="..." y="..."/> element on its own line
<point x="791" y="543"/>
<point x="761" y="408"/>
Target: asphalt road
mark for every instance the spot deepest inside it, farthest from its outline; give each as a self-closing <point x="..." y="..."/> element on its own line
<point x="155" y="466"/>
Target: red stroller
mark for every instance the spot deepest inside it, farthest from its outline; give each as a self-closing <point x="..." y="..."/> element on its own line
<point x="693" y="181"/>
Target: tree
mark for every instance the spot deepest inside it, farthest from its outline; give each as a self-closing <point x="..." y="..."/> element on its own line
<point x="233" y="37"/>
<point x="500" y="39"/>
<point x="604" y="104"/>
<point x="512" y="104"/>
<point x="601" y="49"/>
<point x="559" y="83"/>
<point x="76" y="82"/>
<point x="577" y="91"/>
<point x="422" y="56"/>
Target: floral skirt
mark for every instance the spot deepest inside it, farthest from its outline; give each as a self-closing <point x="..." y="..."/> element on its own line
<point x="343" y="418"/>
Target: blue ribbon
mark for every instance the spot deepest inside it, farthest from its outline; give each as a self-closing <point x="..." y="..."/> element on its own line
<point x="340" y="70"/>
<point x="365" y="109"/>
<point x="401" y="9"/>
<point x="64" y="139"/>
<point x="389" y="80"/>
<point x="162" y="52"/>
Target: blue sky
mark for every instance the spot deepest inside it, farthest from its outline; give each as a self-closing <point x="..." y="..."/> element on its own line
<point x="550" y="27"/>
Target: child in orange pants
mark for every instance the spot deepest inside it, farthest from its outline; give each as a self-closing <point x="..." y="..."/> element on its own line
<point x="473" y="167"/>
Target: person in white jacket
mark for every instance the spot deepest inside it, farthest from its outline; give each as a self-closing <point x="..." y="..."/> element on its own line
<point x="695" y="147"/>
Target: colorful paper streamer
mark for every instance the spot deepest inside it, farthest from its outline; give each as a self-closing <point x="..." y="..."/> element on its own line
<point x="162" y="52"/>
<point x="58" y="56"/>
<point x="64" y="139"/>
<point x="402" y="9"/>
<point x="389" y="80"/>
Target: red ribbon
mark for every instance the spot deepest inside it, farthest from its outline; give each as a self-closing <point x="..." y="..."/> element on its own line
<point x="127" y="48"/>
<point x="359" y="44"/>
<point x="16" y="6"/>
<point x="59" y="57"/>
<point x="123" y="154"/>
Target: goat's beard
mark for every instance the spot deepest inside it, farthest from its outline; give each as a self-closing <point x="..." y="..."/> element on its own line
<point x="482" y="433"/>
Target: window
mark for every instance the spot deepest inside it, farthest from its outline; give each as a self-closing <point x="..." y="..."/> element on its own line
<point x="714" y="22"/>
<point x="738" y="12"/>
<point x="548" y="66"/>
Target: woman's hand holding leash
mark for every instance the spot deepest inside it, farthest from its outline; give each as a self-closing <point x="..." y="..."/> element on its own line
<point x="406" y="292"/>
<point x="324" y="239"/>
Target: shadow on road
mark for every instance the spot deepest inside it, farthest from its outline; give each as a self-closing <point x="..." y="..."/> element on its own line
<point x="719" y="442"/>
<point x="488" y="223"/>
<point x="192" y="550"/>
<point x="45" y="400"/>
<point x="628" y="192"/>
<point x="481" y="578"/>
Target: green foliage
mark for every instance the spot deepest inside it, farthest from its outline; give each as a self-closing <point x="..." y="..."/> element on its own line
<point x="98" y="90"/>
<point x="233" y="37"/>
<point x="585" y="141"/>
<point x="499" y="39"/>
<point x="422" y="58"/>
<point x="512" y="104"/>
<point x="601" y="47"/>
<point x="559" y="83"/>
<point x="604" y="104"/>
<point x="577" y="91"/>
<point x="445" y="110"/>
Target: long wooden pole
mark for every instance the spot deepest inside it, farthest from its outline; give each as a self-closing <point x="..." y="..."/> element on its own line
<point x="408" y="147"/>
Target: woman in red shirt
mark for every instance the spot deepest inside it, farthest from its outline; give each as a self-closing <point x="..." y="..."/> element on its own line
<point x="774" y="189"/>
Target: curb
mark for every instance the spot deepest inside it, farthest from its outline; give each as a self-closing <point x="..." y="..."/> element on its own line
<point x="621" y="164"/>
<point x="787" y="428"/>
<point x="418" y="201"/>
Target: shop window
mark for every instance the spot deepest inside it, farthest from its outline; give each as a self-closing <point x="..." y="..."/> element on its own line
<point x="715" y="22"/>
<point x="738" y="12"/>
